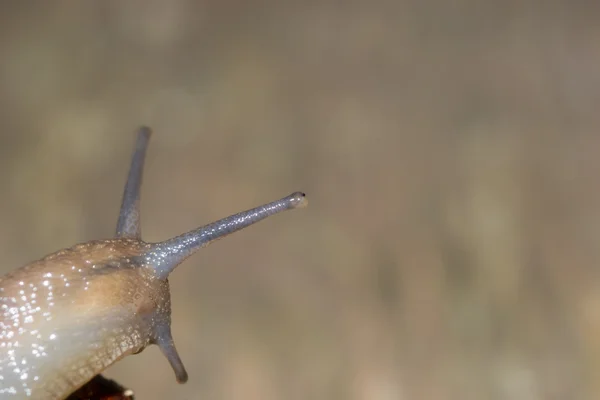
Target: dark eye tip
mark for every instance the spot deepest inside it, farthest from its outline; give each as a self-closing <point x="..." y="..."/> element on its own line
<point x="298" y="200"/>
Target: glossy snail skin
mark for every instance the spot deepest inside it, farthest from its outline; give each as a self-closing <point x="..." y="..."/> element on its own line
<point x="67" y="317"/>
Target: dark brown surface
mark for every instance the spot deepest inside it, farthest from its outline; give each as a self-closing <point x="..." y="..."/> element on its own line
<point x="101" y="388"/>
<point x="449" y="150"/>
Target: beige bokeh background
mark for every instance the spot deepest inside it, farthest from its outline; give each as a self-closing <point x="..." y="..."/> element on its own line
<point x="450" y="151"/>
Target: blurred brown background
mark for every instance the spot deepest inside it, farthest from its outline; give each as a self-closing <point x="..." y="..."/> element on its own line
<point x="448" y="149"/>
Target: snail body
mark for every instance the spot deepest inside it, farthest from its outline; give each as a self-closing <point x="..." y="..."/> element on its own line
<point x="70" y="315"/>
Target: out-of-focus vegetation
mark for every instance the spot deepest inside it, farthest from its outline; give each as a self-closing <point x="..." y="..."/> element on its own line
<point x="450" y="151"/>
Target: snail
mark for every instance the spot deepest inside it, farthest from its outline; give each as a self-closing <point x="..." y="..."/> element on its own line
<point x="68" y="316"/>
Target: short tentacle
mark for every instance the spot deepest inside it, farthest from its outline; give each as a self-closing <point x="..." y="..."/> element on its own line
<point x="165" y="342"/>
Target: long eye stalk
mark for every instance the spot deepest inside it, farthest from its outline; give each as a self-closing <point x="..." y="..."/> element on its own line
<point x="129" y="216"/>
<point x="165" y="256"/>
